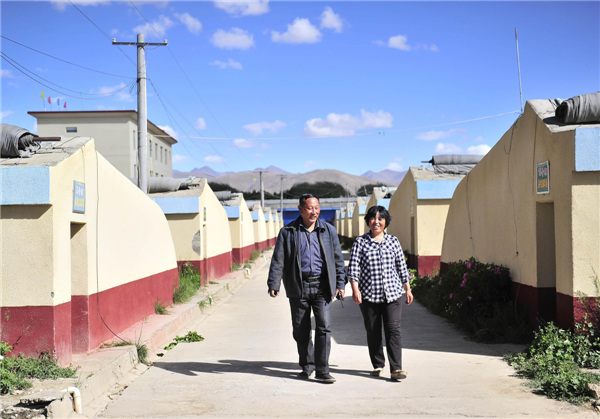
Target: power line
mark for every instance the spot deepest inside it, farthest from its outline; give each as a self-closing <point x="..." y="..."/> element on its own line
<point x="24" y="70"/>
<point x="64" y="61"/>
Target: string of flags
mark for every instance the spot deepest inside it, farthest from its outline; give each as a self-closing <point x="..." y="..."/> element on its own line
<point x="50" y="102"/>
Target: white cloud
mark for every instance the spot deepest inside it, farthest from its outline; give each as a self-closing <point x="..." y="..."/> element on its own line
<point x="156" y="29"/>
<point x="432" y="47"/>
<point x="479" y="149"/>
<point x="178" y="158"/>
<point x="169" y="130"/>
<point x="331" y="20"/>
<point x="437" y="135"/>
<point x="244" y="8"/>
<point x="341" y="125"/>
<point x="229" y="64"/>
<point x="61" y="5"/>
<point x="236" y="38"/>
<point x="119" y="92"/>
<point x="200" y="124"/>
<point x="301" y="31"/>
<point x="214" y="159"/>
<point x="399" y="42"/>
<point x="6" y="74"/>
<point x="4" y="114"/>
<point x="242" y="143"/>
<point x="394" y="166"/>
<point x="447" y="148"/>
<point x="258" y="128"/>
<point x="191" y="23"/>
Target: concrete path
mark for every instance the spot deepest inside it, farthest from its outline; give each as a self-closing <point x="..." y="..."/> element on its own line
<point x="247" y="364"/>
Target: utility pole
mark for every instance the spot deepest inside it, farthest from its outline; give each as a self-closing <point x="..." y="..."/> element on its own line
<point x="262" y="191"/>
<point x="281" y="198"/>
<point x="141" y="107"/>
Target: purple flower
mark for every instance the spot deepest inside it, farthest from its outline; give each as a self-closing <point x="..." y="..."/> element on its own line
<point x="464" y="283"/>
<point x="451" y="295"/>
<point x="497" y="271"/>
<point x="468" y="265"/>
<point x="469" y="298"/>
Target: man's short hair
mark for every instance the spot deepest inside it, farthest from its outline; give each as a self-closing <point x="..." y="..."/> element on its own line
<point x="304" y="198"/>
<point x="372" y="213"/>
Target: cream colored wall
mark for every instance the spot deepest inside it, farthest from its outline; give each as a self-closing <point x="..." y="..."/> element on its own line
<point x="260" y="227"/>
<point x="183" y="229"/>
<point x="24" y="258"/>
<point x="430" y="227"/>
<point x="270" y="224"/>
<point x="400" y="212"/>
<point x="501" y="196"/>
<point x="127" y="250"/>
<point x="134" y="236"/>
<point x="215" y="236"/>
<point x="359" y="227"/>
<point x="248" y="238"/>
<point x="586" y="225"/>
<point x="348" y="232"/>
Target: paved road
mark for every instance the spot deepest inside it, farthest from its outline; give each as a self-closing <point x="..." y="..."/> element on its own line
<point x="247" y="364"/>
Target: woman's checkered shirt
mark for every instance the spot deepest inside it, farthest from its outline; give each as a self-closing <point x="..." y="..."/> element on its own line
<point x="379" y="268"/>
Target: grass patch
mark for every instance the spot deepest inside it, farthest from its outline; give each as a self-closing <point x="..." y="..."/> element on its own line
<point x="213" y="282"/>
<point x="207" y="301"/>
<point x="255" y="254"/>
<point x="553" y="360"/>
<point x="160" y="308"/>
<point x="189" y="283"/>
<point x="16" y="371"/>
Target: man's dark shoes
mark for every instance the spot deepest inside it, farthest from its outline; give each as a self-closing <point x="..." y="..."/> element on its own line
<point x="325" y="378"/>
<point x="304" y="375"/>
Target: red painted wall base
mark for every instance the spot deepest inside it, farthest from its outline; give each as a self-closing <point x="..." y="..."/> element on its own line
<point x="425" y="265"/>
<point x="82" y="324"/>
<point x="242" y="255"/>
<point x="261" y="246"/>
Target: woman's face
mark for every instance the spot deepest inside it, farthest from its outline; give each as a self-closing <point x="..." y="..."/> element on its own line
<point x="377" y="224"/>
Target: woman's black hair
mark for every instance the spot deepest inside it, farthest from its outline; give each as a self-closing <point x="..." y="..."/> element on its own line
<point x="372" y="213"/>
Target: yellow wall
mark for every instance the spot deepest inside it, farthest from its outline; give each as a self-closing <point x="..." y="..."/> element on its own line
<point x="359" y="227"/>
<point x="499" y="223"/>
<point x="270" y="224"/>
<point x="430" y="226"/>
<point x="242" y="229"/>
<point x="260" y="227"/>
<point x="215" y="235"/>
<point x="400" y="211"/>
<point x="132" y="234"/>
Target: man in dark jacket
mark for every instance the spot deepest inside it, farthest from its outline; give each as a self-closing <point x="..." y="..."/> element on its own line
<point x="308" y="257"/>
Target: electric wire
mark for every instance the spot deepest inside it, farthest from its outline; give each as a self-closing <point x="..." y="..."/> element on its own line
<point x="30" y="74"/>
<point x="64" y="61"/>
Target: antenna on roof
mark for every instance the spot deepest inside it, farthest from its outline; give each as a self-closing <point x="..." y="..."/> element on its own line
<point x="519" y="68"/>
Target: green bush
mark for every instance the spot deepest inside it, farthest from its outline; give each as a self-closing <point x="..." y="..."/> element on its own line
<point x="16" y="370"/>
<point x="255" y="254"/>
<point x="189" y="283"/>
<point x="476" y="297"/>
<point x="552" y="363"/>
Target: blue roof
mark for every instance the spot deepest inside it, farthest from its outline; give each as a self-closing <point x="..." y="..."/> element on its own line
<point x="362" y="209"/>
<point x="384" y="202"/>
<point x="254" y="215"/>
<point x="232" y="212"/>
<point x="29" y="185"/>
<point x="178" y="204"/>
<point x="436" y="189"/>
<point x="587" y="149"/>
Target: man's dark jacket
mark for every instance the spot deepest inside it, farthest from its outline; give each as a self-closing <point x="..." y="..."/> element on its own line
<point x="286" y="259"/>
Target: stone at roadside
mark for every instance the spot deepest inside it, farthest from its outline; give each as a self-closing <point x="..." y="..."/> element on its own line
<point x="41" y="397"/>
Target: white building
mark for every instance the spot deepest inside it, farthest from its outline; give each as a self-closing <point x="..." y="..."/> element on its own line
<point x="116" y="136"/>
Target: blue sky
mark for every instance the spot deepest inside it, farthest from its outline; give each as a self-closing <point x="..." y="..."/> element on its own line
<point x="352" y="86"/>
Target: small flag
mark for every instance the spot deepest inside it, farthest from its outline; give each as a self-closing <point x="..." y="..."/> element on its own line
<point x="49" y="100"/>
<point x="42" y="94"/>
<point x="65" y="105"/>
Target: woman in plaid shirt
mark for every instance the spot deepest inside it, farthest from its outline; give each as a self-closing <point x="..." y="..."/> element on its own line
<point x="379" y="276"/>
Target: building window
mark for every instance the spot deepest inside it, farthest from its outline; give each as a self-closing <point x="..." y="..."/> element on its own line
<point x="71" y="129"/>
<point x="161" y="154"/>
<point x="150" y="149"/>
<point x="156" y="151"/>
<point x="134" y="139"/>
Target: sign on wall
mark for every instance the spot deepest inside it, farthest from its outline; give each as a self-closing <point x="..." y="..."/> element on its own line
<point x="78" y="197"/>
<point x="543" y="177"/>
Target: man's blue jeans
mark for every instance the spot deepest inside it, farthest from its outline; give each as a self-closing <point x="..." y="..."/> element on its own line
<point x="310" y="358"/>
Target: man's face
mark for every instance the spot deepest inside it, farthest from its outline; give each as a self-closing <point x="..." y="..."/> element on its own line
<point x="310" y="211"/>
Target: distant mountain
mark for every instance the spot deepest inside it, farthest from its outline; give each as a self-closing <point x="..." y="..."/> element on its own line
<point x="250" y="181"/>
<point x="273" y="169"/>
<point x="386" y="176"/>
<point x="205" y="172"/>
